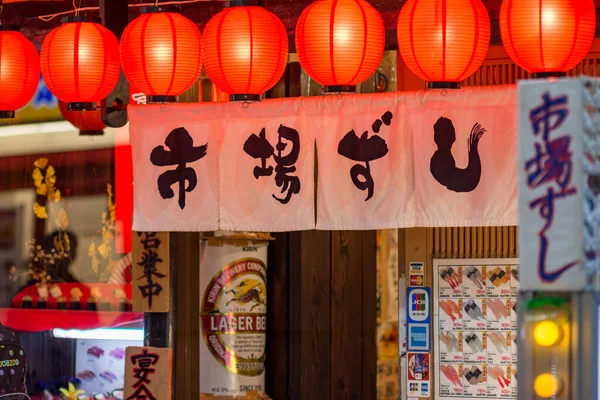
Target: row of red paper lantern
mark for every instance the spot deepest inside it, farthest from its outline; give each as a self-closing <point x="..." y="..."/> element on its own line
<point x="244" y="49"/>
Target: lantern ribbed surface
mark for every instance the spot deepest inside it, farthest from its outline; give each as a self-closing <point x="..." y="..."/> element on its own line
<point x="87" y="122"/>
<point x="80" y="62"/>
<point x="340" y="42"/>
<point x="161" y="53"/>
<point x="245" y="50"/>
<point x="443" y="40"/>
<point x="548" y="35"/>
<point x="19" y="71"/>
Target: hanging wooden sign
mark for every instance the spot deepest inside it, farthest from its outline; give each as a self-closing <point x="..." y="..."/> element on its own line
<point x="150" y="272"/>
<point x="148" y="373"/>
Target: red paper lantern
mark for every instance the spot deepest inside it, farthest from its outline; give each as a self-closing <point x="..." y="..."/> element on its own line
<point x="340" y="43"/>
<point x="161" y="54"/>
<point x="443" y="41"/>
<point x="80" y="62"/>
<point x="245" y="51"/>
<point x="547" y="37"/>
<point x="19" y="71"/>
<point x="89" y="123"/>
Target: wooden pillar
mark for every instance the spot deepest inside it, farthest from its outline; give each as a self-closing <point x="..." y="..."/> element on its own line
<point x="185" y="254"/>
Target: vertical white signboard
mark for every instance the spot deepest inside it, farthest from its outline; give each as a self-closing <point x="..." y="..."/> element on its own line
<point x="551" y="185"/>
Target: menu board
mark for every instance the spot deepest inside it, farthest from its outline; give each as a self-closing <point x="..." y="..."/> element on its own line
<point x="475" y="326"/>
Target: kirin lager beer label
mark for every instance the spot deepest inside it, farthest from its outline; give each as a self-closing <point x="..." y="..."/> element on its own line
<point x="233" y="318"/>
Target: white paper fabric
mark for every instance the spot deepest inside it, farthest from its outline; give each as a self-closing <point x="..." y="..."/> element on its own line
<point x="149" y="127"/>
<point x="488" y="198"/>
<point x="374" y="163"/>
<point x="340" y="203"/>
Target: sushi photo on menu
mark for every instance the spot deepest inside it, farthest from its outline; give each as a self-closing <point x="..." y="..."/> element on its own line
<point x="474" y="348"/>
<point x="450" y="282"/>
<point x="498" y="347"/>
<point x="498" y="281"/>
<point x="451" y="382"/>
<point x="473" y="282"/>
<point x="451" y="314"/>
<point x="474" y="380"/>
<point x="451" y="346"/>
<point x="499" y="381"/>
<point x="498" y="313"/>
<point x="474" y="314"/>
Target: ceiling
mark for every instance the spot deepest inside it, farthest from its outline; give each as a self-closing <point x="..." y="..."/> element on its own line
<point x="25" y="13"/>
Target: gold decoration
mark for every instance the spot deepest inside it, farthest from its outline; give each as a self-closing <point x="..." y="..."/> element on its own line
<point x="42" y="264"/>
<point x="44" y="179"/>
<point x="101" y="255"/>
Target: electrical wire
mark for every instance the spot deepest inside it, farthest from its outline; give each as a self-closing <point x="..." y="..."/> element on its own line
<point x="76" y="10"/>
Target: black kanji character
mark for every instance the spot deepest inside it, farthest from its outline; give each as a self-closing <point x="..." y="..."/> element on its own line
<point x="149" y="240"/>
<point x="182" y="151"/>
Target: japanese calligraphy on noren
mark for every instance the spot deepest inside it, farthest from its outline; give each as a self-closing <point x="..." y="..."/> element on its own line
<point x="147" y="373"/>
<point x="365" y="149"/>
<point x="182" y="152"/>
<point x="150" y="272"/>
<point x="285" y="154"/>
<point x="442" y="165"/>
<point x="550" y="168"/>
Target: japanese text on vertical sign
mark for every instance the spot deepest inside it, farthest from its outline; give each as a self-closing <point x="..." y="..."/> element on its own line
<point x="142" y="375"/>
<point x="551" y="169"/>
<point x="258" y="146"/>
<point x="150" y="243"/>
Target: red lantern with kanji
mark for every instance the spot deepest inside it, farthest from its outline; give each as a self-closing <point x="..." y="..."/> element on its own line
<point x="80" y="62"/>
<point x="19" y="71"/>
<point x="89" y="123"/>
<point x="161" y="54"/>
<point x="245" y="51"/>
<point x="340" y="43"/>
<point x="443" y="41"/>
<point x="547" y="37"/>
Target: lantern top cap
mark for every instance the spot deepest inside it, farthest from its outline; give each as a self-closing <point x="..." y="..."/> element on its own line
<point x="80" y="18"/>
<point x="152" y="10"/>
<point x="240" y="3"/>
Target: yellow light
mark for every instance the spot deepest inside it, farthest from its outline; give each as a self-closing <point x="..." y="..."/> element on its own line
<point x="546" y="385"/>
<point x="546" y="333"/>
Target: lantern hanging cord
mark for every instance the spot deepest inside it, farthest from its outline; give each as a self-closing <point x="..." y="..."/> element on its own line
<point x="49" y="17"/>
<point x="75" y="8"/>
